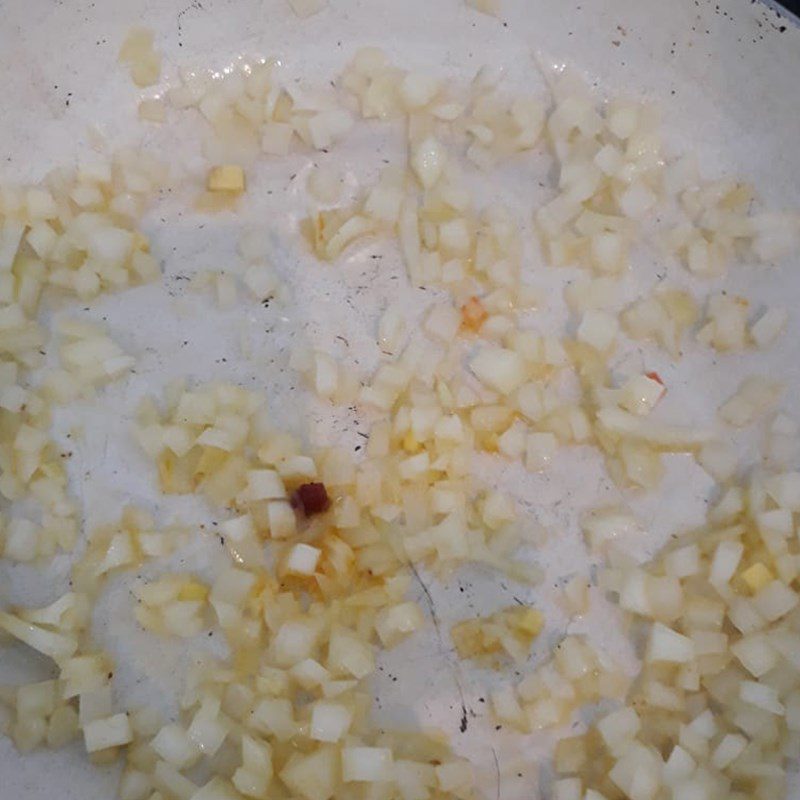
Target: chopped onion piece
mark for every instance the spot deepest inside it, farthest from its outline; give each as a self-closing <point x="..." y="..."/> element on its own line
<point x="329" y="721"/>
<point x="305" y="8"/>
<point x="101" y="734"/>
<point x="302" y="559"/>
<point x="428" y="161"/>
<point x="367" y="765"/>
<point x="499" y="368"/>
<point x="666" y="645"/>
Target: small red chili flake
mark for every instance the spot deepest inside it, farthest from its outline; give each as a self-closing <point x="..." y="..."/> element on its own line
<point x="654" y="376"/>
<point x="312" y="498"/>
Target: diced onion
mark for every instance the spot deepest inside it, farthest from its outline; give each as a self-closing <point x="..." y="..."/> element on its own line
<point x="367" y="764"/>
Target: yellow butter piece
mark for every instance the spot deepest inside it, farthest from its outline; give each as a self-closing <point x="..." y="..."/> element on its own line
<point x="410" y="443"/>
<point x="757" y="577"/>
<point x="491" y="443"/>
<point x="529" y="620"/>
<point x="470" y="640"/>
<point x="141" y="242"/>
<point x="226" y="178"/>
<point x="192" y="590"/>
<point x="484" y="636"/>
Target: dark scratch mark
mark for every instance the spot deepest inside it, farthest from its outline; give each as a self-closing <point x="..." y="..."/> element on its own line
<point x="431" y="604"/>
<point x="463" y="720"/>
<point x="196" y="6"/>
<point x="457" y="680"/>
<point x="496" y="772"/>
